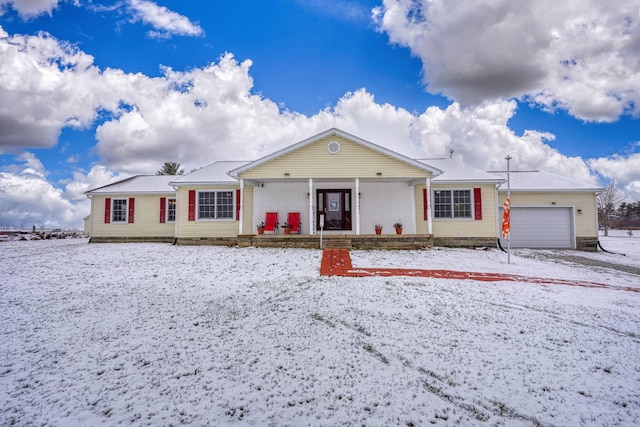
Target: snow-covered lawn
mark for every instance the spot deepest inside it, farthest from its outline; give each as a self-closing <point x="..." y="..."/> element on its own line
<point x="155" y="334"/>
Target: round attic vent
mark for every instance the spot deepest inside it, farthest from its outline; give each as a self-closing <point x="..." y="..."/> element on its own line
<point x="333" y="147"/>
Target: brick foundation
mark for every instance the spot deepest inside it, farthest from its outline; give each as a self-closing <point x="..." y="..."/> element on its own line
<point x="588" y="244"/>
<point x="465" y="242"/>
<point x="214" y="241"/>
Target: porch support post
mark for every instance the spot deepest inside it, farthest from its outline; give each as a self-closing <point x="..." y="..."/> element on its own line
<point x="241" y="213"/>
<point x="357" y="206"/>
<point x="429" y="219"/>
<point x="312" y="220"/>
<point x="176" y="224"/>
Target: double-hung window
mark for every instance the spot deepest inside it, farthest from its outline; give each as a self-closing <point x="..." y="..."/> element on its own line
<point x="119" y="210"/>
<point x="171" y="210"/>
<point x="216" y="204"/>
<point x="452" y="204"/>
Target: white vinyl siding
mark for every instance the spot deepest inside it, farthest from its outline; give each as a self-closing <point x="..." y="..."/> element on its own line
<point x="281" y="198"/>
<point x="293" y="197"/>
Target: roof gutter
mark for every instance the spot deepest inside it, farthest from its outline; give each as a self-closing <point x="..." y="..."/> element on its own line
<point x="552" y="190"/>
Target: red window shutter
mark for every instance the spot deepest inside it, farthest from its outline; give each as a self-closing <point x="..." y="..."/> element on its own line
<point x="237" y="205"/>
<point x="163" y="209"/>
<point x="107" y="210"/>
<point x="192" y="205"/>
<point x="132" y="209"/>
<point x="477" y="203"/>
<point x="425" y="204"/>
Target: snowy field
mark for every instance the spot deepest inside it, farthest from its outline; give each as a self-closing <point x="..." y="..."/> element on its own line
<point x="155" y="334"/>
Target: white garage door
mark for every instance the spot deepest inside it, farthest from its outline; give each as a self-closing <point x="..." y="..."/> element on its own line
<point x="543" y="227"/>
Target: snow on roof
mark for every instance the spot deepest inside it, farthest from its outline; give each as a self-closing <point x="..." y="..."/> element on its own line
<point x="138" y="184"/>
<point x="456" y="171"/>
<point x="215" y="173"/>
<point x="542" y="181"/>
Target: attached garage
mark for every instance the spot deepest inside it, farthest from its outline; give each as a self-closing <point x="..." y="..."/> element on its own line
<point x="541" y="227"/>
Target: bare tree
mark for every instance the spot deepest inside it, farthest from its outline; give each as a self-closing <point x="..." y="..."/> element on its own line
<point x="170" y="168"/>
<point x="608" y="201"/>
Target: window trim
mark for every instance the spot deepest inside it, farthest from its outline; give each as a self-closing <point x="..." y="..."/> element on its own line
<point x="126" y="210"/>
<point x="175" y="209"/>
<point x="233" y="205"/>
<point x="471" y="216"/>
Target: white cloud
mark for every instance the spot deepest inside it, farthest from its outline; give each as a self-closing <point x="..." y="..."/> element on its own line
<point x="32" y="164"/>
<point x="74" y="159"/>
<point x="45" y="85"/>
<point x="29" y="8"/>
<point x="624" y="171"/>
<point x="206" y="114"/>
<point x="345" y="10"/>
<point x="578" y="55"/>
<point x="82" y="182"/>
<point x="165" y="22"/>
<point x="28" y="198"/>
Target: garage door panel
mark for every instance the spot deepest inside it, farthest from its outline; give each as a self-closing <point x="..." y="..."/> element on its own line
<point x="541" y="227"/>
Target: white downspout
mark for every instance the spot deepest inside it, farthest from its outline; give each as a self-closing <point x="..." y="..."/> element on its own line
<point x="429" y="219"/>
<point x="241" y="213"/>
<point x="358" y="206"/>
<point x="312" y="220"/>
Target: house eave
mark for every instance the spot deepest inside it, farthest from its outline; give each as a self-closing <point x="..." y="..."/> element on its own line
<point x="465" y="181"/>
<point x="204" y="183"/>
<point x="169" y="192"/>
<point x="551" y="190"/>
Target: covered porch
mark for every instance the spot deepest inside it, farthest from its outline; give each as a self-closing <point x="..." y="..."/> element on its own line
<point x="341" y="206"/>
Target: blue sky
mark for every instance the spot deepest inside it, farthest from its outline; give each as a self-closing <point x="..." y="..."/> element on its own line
<point x="92" y="91"/>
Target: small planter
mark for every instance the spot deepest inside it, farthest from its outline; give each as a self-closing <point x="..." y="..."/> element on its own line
<point x="398" y="230"/>
<point x="287" y="230"/>
<point x="378" y="230"/>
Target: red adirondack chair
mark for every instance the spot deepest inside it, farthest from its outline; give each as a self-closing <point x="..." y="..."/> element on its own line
<point x="293" y="220"/>
<point x="271" y="223"/>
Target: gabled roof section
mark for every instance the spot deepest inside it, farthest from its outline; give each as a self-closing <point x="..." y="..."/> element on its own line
<point x="455" y="171"/>
<point x="212" y="174"/>
<point x="543" y="181"/>
<point x="337" y="132"/>
<point x="137" y="184"/>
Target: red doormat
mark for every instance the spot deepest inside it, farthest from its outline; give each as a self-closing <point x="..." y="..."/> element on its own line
<point x="337" y="262"/>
